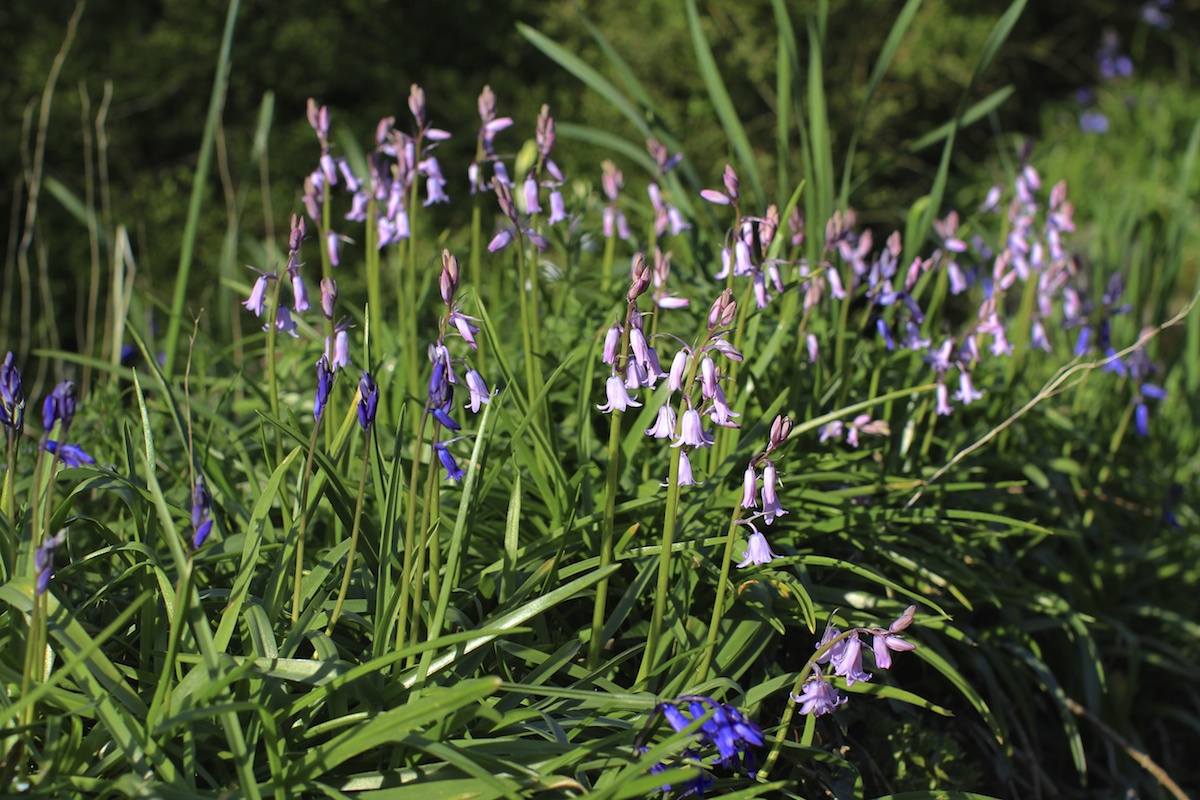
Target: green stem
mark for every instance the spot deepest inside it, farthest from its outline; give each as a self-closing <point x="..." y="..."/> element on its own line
<point x="422" y="548"/>
<point x="607" y="526"/>
<point x="10" y="507"/>
<point x="714" y="624"/>
<point x="410" y="531"/>
<point x="786" y="719"/>
<point x="670" y="515"/>
<point x="358" y="505"/>
<point x="302" y="527"/>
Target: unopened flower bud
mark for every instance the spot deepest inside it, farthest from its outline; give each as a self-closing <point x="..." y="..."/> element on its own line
<point x="487" y="104"/>
<point x="329" y="295"/>
<point x="298" y="234"/>
<point x="545" y="131"/>
<point x="721" y="314"/>
<point x="781" y="428"/>
<point x="731" y="183"/>
<point x="448" y="283"/>
<point x="416" y="104"/>
<point x="640" y="274"/>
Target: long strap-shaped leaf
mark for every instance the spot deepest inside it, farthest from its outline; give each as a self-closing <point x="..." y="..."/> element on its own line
<point x="718" y="95"/>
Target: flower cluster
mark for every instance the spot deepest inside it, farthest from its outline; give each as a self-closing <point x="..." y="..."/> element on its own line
<point x="758" y="550"/>
<point x="257" y="301"/>
<point x="544" y="174"/>
<point x="752" y="238"/>
<point x="721" y="727"/>
<point x="443" y="378"/>
<point x="398" y="161"/>
<point x="485" y="149"/>
<point x="842" y="654"/>
<point x="59" y="408"/>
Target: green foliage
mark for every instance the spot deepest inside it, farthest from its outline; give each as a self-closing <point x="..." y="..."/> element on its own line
<point x="356" y="623"/>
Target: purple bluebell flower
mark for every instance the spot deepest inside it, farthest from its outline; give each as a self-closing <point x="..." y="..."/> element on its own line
<point x="749" y="487"/>
<point x="299" y="293"/>
<point x="465" y="327"/>
<point x="757" y="552"/>
<point x="1092" y="121"/>
<point x="72" y="455"/>
<point x="12" y="395"/>
<point x="771" y="507"/>
<point x="284" y="322"/>
<point x="617" y="395"/>
<point x="324" y="385"/>
<point x="453" y="472"/>
<point x="1153" y="14"/>
<point x="885" y="642"/>
<point x="43" y="561"/>
<point x="478" y="391"/>
<point x="691" y="431"/>
<point x="664" y="423"/>
<point x="722" y="726"/>
<point x="612" y="340"/>
<point x="338" y="351"/>
<point x="685" y="472"/>
<point x="368" y="400"/>
<point x="848" y="661"/>
<point x="202" y="522"/>
<point x="59" y="406"/>
<point x="818" y="697"/>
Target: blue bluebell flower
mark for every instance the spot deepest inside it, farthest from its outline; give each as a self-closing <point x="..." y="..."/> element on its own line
<point x="59" y="406"/>
<point x="369" y="400"/>
<point x="72" y="455"/>
<point x="202" y="522"/>
<point x="43" y="560"/>
<point x="12" y="395"/>
<point x="324" y="386"/>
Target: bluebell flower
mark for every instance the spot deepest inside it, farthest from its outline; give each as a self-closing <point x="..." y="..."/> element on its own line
<point x="1092" y="121"/>
<point x="43" y="560"/>
<point x="72" y="455"/>
<point x="369" y="400"/>
<point x="324" y="386"/>
<point x="59" y="406"/>
<point x="758" y="551"/>
<point x="453" y="471"/>
<point x="202" y="522"/>
<point x="818" y="697"/>
<point x="12" y="395"/>
<point x="722" y="726"/>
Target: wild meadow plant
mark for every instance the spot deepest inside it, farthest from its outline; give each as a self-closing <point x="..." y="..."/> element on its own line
<point x="394" y="598"/>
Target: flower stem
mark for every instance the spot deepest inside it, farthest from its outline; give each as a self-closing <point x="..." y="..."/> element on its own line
<point x="714" y="624"/>
<point x="410" y="529"/>
<point x="358" y="505"/>
<point x="302" y="527"/>
<point x="607" y="524"/>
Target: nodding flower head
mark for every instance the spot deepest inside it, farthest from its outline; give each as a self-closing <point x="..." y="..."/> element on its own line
<point x="369" y="400"/>
<point x="453" y="472"/>
<point x="818" y="697"/>
<point x="758" y="551"/>
<point x="617" y="395"/>
<point x="72" y="455"/>
<point x="59" y="406"/>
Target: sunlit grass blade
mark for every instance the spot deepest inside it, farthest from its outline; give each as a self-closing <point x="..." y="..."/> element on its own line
<point x="722" y="104"/>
